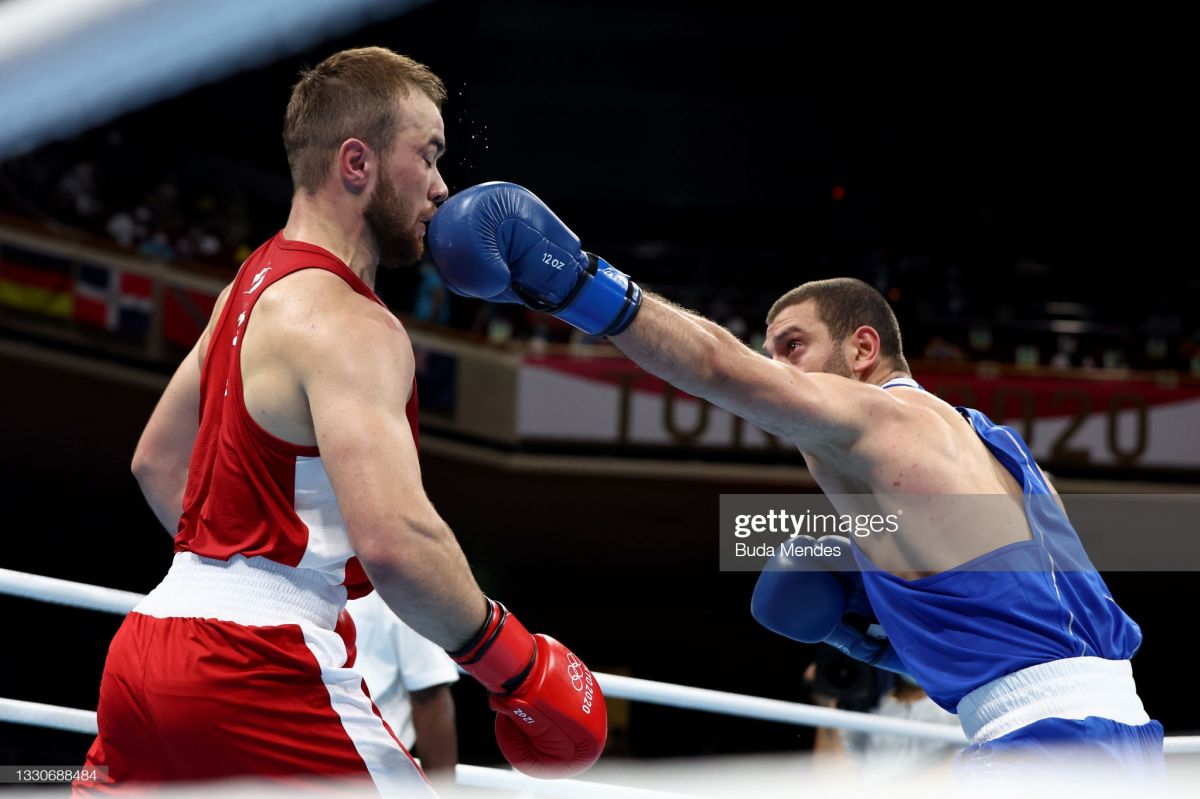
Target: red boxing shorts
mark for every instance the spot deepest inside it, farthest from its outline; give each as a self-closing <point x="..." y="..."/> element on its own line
<point x="241" y="668"/>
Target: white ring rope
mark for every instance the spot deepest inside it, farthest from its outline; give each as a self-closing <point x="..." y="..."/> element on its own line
<point x="92" y="597"/>
<point x="16" y="711"/>
<point x="1181" y="744"/>
<point x="35" y="714"/>
<point x="756" y="707"/>
<point x="65" y="592"/>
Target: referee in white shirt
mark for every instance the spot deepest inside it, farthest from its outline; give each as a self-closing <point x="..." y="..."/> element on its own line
<point x="409" y="679"/>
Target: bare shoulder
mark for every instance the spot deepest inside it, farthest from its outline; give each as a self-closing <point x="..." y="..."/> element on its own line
<point x="858" y="407"/>
<point x="920" y="413"/>
<point x="314" y="302"/>
<point x="322" y="326"/>
<point x="916" y="402"/>
<point x="906" y="420"/>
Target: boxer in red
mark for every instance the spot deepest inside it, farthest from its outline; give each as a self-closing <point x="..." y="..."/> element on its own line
<point x="283" y="457"/>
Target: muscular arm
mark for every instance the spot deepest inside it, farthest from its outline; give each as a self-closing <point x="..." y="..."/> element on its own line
<point x="356" y="367"/>
<point x="707" y="361"/>
<point x="469" y="242"/>
<point x="160" y="462"/>
<point x="433" y="721"/>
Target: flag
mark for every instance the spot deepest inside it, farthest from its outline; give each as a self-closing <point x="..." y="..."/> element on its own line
<point x="95" y="300"/>
<point x="135" y="302"/>
<point x="34" y="282"/>
<point x="114" y="300"/>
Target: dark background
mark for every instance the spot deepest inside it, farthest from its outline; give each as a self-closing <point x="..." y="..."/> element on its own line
<point x="1016" y="158"/>
<point x="697" y="146"/>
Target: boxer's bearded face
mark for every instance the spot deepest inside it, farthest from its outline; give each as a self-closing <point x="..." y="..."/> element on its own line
<point x="799" y="337"/>
<point x="394" y="225"/>
<point x="836" y="363"/>
<point x="409" y="186"/>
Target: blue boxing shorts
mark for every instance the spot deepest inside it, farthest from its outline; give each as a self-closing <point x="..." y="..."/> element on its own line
<point x="1056" y="747"/>
<point x="1075" y="715"/>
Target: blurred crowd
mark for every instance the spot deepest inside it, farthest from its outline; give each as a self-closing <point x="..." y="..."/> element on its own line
<point x="196" y="210"/>
<point x="212" y="210"/>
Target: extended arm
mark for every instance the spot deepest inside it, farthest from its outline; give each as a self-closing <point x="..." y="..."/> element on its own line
<point x="499" y="242"/>
<point x="707" y="361"/>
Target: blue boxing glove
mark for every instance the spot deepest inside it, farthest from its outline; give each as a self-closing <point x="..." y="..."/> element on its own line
<point x="822" y="598"/>
<point x="499" y="242"/>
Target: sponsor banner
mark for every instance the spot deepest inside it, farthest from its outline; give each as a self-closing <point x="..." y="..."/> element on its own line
<point x="1068" y="421"/>
<point x="1078" y="421"/>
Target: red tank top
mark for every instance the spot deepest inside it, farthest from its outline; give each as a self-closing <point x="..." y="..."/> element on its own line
<point x="249" y="492"/>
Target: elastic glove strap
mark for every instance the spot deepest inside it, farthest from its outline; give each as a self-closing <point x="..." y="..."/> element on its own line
<point x="501" y="655"/>
<point x="604" y="301"/>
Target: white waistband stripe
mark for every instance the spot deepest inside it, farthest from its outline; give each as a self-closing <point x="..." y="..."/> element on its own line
<point x="255" y="592"/>
<point x="1072" y="688"/>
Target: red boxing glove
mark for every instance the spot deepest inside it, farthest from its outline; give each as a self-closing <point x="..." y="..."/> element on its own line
<point x="551" y="720"/>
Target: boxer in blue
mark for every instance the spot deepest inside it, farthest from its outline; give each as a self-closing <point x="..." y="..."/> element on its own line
<point x="1009" y="626"/>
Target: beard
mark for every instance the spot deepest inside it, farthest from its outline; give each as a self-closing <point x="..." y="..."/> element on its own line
<point x="392" y="224"/>
<point x="836" y="365"/>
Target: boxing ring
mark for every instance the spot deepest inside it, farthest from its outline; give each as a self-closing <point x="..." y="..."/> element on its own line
<point x="97" y="598"/>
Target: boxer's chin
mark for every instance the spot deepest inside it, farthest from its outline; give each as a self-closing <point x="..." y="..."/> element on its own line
<point x="401" y="253"/>
<point x="398" y="242"/>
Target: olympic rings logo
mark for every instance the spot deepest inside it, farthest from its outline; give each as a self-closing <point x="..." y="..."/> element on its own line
<point x="581" y="680"/>
<point x="575" y="670"/>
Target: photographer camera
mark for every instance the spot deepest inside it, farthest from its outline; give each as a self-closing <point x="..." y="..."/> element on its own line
<point x="836" y="680"/>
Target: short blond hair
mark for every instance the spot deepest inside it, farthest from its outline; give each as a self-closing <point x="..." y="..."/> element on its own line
<point x="351" y="94"/>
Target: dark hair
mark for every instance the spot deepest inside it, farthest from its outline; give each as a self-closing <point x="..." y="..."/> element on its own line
<point x="844" y="304"/>
<point x="351" y="94"/>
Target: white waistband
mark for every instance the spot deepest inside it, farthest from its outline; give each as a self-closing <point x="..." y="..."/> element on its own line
<point x="252" y="591"/>
<point x="1072" y="688"/>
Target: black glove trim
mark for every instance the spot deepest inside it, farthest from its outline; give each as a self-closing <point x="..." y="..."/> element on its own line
<point x="592" y="267"/>
<point x="538" y="304"/>
<point x="633" y="296"/>
<point x="477" y="640"/>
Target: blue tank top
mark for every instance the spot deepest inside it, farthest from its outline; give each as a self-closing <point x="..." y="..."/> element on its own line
<point x="1022" y="604"/>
